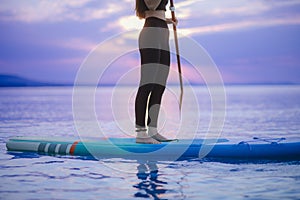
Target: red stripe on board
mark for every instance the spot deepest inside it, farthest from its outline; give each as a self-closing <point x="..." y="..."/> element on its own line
<point x="72" y="149"/>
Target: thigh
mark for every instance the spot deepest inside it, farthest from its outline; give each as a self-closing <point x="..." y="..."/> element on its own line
<point x="149" y="56"/>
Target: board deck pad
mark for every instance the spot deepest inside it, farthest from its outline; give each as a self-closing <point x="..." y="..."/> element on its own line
<point x="255" y="148"/>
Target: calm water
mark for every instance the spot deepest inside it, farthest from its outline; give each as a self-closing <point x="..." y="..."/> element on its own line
<point x="262" y="111"/>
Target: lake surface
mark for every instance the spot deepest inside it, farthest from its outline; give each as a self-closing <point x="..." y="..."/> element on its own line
<point x="250" y="111"/>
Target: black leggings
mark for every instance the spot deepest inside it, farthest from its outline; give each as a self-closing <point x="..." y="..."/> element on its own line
<point x="155" y="64"/>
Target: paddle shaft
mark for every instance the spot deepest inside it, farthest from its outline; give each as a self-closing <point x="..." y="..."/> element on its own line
<point x="172" y="8"/>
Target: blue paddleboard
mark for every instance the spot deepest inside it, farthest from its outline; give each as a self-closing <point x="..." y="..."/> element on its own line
<point x="256" y="148"/>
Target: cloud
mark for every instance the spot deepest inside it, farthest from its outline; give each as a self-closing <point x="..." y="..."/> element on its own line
<point x="219" y="8"/>
<point x="31" y="11"/>
<point x="75" y="43"/>
<point x="242" y="25"/>
<point x="126" y="23"/>
<point x="211" y="17"/>
<point x="205" y="17"/>
<point x="196" y="16"/>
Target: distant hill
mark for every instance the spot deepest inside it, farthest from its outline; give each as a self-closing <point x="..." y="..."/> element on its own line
<point x="16" y="81"/>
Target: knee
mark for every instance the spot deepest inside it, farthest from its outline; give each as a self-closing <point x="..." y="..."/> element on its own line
<point x="158" y="89"/>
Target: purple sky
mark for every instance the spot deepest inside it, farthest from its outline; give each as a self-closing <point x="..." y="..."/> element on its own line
<point x="249" y="40"/>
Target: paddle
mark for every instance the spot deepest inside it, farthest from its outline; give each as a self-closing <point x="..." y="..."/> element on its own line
<point x="172" y="8"/>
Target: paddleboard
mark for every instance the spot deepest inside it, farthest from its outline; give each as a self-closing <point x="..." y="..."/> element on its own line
<point x="256" y="148"/>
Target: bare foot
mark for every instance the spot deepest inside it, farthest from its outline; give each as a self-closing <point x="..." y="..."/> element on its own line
<point x="161" y="138"/>
<point x="153" y="132"/>
<point x="143" y="138"/>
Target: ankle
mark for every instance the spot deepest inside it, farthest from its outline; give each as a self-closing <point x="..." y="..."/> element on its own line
<point x="152" y="131"/>
<point x="141" y="132"/>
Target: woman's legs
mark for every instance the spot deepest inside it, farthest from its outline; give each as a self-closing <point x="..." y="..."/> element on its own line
<point x="158" y="88"/>
<point x="156" y="96"/>
<point x="155" y="63"/>
<point x="152" y="86"/>
<point x="149" y="60"/>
